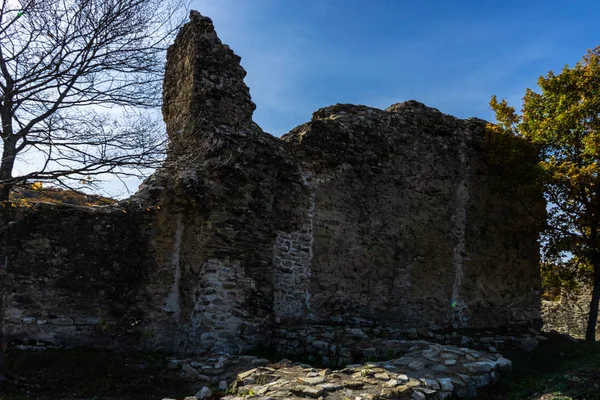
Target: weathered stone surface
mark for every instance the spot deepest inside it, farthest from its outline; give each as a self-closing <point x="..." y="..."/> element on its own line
<point x="504" y="365"/>
<point x="308" y="391"/>
<point x="291" y="380"/>
<point x="465" y="376"/>
<point x="569" y="313"/>
<point x="75" y="276"/>
<point x="312" y="381"/>
<point x="204" y="393"/>
<point x="395" y="392"/>
<point x="361" y="217"/>
<point x="529" y="343"/>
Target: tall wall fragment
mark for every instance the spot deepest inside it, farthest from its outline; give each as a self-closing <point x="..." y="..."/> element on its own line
<point x="359" y="217"/>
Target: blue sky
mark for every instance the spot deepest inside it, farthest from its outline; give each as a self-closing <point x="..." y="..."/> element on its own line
<point x="302" y="55"/>
<point x="452" y="55"/>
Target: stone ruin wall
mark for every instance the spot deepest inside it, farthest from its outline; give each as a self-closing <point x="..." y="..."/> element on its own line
<point x="569" y="313"/>
<point x="361" y="217"/>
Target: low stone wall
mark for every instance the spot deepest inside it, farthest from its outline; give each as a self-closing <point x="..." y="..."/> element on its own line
<point x="569" y="314"/>
<point x="115" y="277"/>
<point x="423" y="371"/>
<point x="73" y="275"/>
<point x="337" y="345"/>
<point x="418" y="370"/>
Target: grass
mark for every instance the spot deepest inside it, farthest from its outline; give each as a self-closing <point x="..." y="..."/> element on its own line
<point x="558" y="369"/>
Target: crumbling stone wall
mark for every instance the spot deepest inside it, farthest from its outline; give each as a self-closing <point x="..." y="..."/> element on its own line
<point x="73" y="275"/>
<point x="407" y="227"/>
<point x="360" y="217"/>
<point x="570" y="312"/>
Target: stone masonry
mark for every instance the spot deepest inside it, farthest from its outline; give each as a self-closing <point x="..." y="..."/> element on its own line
<point x="360" y="217"/>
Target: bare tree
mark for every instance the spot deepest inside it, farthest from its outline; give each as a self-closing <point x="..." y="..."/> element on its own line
<point x="77" y="81"/>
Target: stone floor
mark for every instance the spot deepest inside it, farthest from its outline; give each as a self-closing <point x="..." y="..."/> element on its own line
<point x="424" y="371"/>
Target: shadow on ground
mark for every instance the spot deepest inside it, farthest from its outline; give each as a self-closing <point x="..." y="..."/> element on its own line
<point x="95" y="375"/>
<point x="559" y="369"/>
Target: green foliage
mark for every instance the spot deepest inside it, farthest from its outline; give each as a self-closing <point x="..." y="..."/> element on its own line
<point x="568" y="276"/>
<point x="562" y="123"/>
<point x="557" y="369"/>
<point x="515" y="161"/>
<point x="509" y="154"/>
<point x="103" y="324"/>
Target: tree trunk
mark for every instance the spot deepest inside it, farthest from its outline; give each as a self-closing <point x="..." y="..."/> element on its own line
<point x="590" y="333"/>
<point x="4" y="372"/>
<point x="3" y="366"/>
<point x="3" y="342"/>
<point x="5" y="192"/>
<point x="6" y="167"/>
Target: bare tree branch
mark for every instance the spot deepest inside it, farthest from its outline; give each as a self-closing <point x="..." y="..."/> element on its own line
<point x="60" y="60"/>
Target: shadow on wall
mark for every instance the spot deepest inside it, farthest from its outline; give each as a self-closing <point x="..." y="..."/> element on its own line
<point x="359" y="217"/>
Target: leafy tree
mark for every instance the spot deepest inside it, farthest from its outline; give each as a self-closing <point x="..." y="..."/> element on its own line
<point x="77" y="78"/>
<point x="563" y="123"/>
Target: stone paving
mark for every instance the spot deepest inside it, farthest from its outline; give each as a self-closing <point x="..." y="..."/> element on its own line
<point x="425" y="371"/>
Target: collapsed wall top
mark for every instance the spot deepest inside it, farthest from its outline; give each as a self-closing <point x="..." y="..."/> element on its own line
<point x="204" y="79"/>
